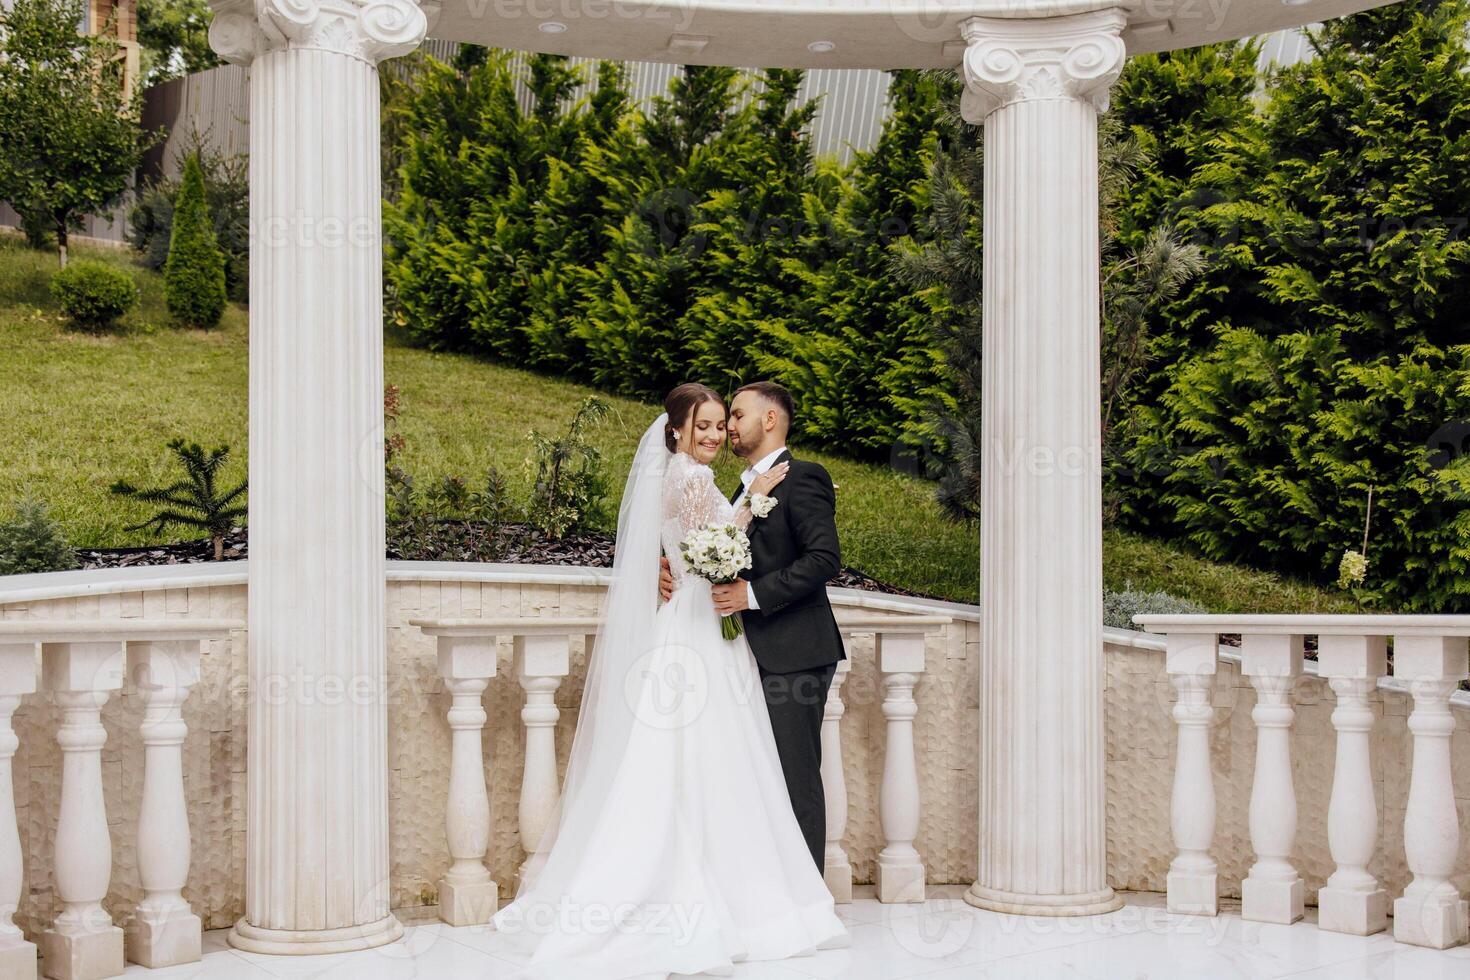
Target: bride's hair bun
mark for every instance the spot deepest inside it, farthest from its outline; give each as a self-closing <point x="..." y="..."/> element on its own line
<point x="680" y="403"/>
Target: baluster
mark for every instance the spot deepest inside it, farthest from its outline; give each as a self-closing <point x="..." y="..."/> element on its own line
<point x="467" y="894"/>
<point x="83" y="943"/>
<point x="900" y="868"/>
<point x="163" y="930"/>
<point x="838" y="870"/>
<point x="1352" y="901"/>
<point x="1431" y="912"/>
<point x="1191" y="661"/>
<point x="17" y="677"/>
<point x="541" y="662"/>
<point x="1273" y="891"/>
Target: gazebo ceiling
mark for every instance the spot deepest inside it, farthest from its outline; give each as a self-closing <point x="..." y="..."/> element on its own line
<point x="834" y="33"/>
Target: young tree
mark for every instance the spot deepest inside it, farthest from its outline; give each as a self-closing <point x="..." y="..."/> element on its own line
<point x="194" y="274"/>
<point x="174" y="38"/>
<point x="69" y="139"/>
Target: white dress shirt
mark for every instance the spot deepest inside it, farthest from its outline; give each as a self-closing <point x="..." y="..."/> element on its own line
<point x="746" y="479"/>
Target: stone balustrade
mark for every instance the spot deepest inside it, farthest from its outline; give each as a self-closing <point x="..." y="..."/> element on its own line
<point x="1429" y="658"/>
<point x="79" y="665"/>
<point x="467" y="658"/>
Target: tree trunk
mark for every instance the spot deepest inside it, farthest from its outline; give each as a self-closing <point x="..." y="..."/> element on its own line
<point x="219" y="547"/>
<point x="61" y="240"/>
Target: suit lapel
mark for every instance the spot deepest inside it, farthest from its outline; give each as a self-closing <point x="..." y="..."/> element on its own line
<point x="759" y="522"/>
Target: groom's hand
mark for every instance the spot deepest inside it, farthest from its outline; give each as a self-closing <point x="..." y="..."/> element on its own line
<point x="665" y="579"/>
<point x="731" y="598"/>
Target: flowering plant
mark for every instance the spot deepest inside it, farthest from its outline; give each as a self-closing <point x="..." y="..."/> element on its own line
<point x="718" y="553"/>
<point x="760" y="505"/>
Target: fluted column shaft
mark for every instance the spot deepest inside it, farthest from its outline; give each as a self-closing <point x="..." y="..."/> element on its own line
<point x="1038" y="85"/>
<point x="317" y="830"/>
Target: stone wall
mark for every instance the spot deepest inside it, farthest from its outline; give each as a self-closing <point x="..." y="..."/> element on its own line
<point x="1140" y="739"/>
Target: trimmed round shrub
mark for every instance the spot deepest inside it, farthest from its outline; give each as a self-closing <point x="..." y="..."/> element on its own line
<point x="194" y="273"/>
<point x="1119" y="608"/>
<point x="94" y="294"/>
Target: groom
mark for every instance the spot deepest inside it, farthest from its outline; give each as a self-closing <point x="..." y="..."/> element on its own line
<point x="783" y="598"/>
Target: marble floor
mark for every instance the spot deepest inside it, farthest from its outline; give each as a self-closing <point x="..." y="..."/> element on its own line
<point x="944" y="939"/>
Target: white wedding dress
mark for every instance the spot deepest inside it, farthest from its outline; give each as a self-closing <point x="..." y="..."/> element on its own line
<point x="674" y="849"/>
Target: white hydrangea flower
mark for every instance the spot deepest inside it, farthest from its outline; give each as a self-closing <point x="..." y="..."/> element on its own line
<point x="1353" y="570"/>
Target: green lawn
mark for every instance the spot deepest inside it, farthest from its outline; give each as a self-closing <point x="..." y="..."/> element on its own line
<point x="84" y="410"/>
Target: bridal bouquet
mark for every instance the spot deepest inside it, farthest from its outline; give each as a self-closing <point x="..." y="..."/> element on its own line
<point x="718" y="553"/>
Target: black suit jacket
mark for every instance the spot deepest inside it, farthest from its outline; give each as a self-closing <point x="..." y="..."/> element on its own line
<point x="794" y="553"/>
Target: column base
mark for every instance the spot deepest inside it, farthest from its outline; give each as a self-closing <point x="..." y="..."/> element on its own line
<point x="837" y="872"/>
<point x="310" y="942"/>
<point x="899" y="881"/>
<point x="1020" y="903"/>
<point x="1272" y="901"/>
<point x="468" y="903"/>
<point x="1355" y="913"/>
<point x="18" y="961"/>
<point x="169" y="941"/>
<point x="1193" y="894"/>
<point x="1433" y="923"/>
<point x="89" y="955"/>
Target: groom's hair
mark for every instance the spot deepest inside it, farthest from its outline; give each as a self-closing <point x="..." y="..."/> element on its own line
<point x="774" y="393"/>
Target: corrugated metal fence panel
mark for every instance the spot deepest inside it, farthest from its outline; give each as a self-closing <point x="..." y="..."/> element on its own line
<point x="1284" y="48"/>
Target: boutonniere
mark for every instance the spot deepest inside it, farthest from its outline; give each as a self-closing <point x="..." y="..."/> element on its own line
<point x="760" y="505"/>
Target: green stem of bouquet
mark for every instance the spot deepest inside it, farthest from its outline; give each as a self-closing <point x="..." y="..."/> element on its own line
<point x="730" y="626"/>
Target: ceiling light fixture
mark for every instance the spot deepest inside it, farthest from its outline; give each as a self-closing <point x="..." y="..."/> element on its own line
<point x="551" y="27"/>
<point x="820" y="47"/>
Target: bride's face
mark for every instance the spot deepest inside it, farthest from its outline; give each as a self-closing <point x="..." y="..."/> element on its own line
<point x="704" y="433"/>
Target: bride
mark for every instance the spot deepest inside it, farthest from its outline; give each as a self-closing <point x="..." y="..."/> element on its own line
<point x="674" y="849"/>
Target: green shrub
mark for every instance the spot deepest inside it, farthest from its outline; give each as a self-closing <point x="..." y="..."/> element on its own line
<point x="227" y="191"/>
<point x="93" y="294"/>
<point x="32" y="542"/>
<point x="570" y="494"/>
<point x="194" y="274"/>
<point x="1119" y="608"/>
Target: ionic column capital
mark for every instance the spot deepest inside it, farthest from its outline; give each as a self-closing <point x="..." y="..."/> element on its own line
<point x="1009" y="60"/>
<point x="369" y="30"/>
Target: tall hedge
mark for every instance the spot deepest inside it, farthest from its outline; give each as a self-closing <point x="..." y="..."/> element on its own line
<point x="698" y="239"/>
<point x="1334" y="355"/>
<point x="194" y="273"/>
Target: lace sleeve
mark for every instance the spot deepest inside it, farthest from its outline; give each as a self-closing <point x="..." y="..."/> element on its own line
<point x="692" y="497"/>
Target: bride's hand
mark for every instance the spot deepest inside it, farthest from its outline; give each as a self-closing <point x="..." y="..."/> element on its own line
<point x="770" y="479"/>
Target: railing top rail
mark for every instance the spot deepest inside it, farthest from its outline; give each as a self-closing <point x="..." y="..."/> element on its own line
<point x="880" y="623"/>
<point x="23" y="631"/>
<point x="1311" y="625"/>
<point x="508" y="625"/>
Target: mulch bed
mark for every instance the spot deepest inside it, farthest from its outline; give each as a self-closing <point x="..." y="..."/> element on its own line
<point x="443" y="540"/>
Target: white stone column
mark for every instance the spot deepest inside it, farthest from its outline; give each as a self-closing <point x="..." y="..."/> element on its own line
<point x="1352" y="901"/>
<point x="163" y="930"/>
<point x="17" y="678"/>
<point x="1038" y="84"/>
<point x="317" y="821"/>
<point x="837" y="869"/>
<point x="541" y="660"/>
<point x="1431" y="912"/>
<point x="83" y="943"/>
